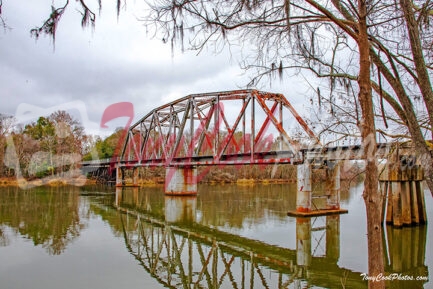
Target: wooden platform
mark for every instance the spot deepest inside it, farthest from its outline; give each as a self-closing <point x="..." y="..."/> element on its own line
<point x="316" y="213"/>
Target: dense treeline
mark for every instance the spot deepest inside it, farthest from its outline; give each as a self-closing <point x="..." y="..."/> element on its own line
<point x="54" y="145"/>
<point x="51" y="145"/>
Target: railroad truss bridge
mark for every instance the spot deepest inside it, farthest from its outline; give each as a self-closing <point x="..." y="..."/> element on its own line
<point x="248" y="127"/>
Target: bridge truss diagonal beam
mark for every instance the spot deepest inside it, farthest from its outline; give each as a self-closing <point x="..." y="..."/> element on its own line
<point x="211" y="128"/>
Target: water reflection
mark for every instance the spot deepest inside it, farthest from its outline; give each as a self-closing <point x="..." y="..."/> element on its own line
<point x="405" y="255"/>
<point x="194" y="242"/>
<point x="181" y="253"/>
<point x="180" y="209"/>
<point x="49" y="217"/>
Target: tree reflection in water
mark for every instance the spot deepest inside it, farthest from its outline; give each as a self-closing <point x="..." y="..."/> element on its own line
<point x="178" y="241"/>
<point x="49" y="217"/>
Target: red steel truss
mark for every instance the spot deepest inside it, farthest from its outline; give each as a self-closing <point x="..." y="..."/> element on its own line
<point x="232" y="127"/>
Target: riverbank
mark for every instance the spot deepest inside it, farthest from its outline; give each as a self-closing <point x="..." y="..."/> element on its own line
<point x="244" y="176"/>
<point x="54" y="182"/>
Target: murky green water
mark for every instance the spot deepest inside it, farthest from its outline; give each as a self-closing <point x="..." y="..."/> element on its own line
<point x="227" y="237"/>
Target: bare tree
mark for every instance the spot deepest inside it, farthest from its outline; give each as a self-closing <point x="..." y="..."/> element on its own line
<point x="352" y="43"/>
<point x="6" y="125"/>
<point x="374" y="49"/>
<point x="70" y="137"/>
<point x="321" y="38"/>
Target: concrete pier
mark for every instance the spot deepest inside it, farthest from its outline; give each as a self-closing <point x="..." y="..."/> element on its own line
<point x="181" y="181"/>
<point x="303" y="197"/>
<point x="121" y="180"/>
<point x="305" y="206"/>
<point x="332" y="186"/>
<point x="120" y="176"/>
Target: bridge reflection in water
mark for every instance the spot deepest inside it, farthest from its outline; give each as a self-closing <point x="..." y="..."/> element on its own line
<point x="171" y="243"/>
<point x="180" y="242"/>
<point x="181" y="253"/>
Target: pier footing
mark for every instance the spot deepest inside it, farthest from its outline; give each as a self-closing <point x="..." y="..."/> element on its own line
<point x="317" y="213"/>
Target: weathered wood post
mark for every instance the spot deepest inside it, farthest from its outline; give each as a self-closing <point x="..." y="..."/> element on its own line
<point x="118" y="200"/>
<point x="120" y="177"/>
<point x="400" y="182"/>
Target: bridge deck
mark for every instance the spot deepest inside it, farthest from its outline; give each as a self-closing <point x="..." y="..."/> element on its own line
<point x="316" y="155"/>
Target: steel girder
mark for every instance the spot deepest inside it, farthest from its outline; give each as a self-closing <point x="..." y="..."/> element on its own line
<point x="241" y="126"/>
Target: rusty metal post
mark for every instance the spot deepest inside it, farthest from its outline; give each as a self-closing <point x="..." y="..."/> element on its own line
<point x="303" y="197"/>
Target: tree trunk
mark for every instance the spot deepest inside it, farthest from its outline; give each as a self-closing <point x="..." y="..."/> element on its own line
<point x="423" y="80"/>
<point x="372" y="196"/>
<point x="407" y="113"/>
<point x="423" y="83"/>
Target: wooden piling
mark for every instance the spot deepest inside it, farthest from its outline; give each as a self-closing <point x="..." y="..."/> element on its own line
<point x="406" y="217"/>
<point x="421" y="203"/>
<point x="396" y="204"/>
<point x="401" y="186"/>
<point x="414" y="203"/>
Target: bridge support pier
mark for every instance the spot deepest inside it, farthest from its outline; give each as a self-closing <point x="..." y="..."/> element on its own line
<point x="405" y="251"/>
<point x="303" y="197"/>
<point x="332" y="185"/>
<point x="404" y="202"/>
<point x="304" y="193"/>
<point x="120" y="177"/>
<point x="181" y="181"/>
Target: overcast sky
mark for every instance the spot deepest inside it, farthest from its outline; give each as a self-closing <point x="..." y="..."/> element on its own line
<point x="117" y="61"/>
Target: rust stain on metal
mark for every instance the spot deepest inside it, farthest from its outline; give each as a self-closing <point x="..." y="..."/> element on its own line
<point x="160" y="138"/>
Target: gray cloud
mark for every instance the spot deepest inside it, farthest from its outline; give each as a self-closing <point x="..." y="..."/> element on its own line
<point x="115" y="62"/>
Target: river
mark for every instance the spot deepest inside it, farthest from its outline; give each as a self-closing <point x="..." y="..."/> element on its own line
<point x="229" y="236"/>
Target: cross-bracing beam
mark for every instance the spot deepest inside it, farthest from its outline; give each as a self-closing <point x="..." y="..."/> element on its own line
<point x="239" y="126"/>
